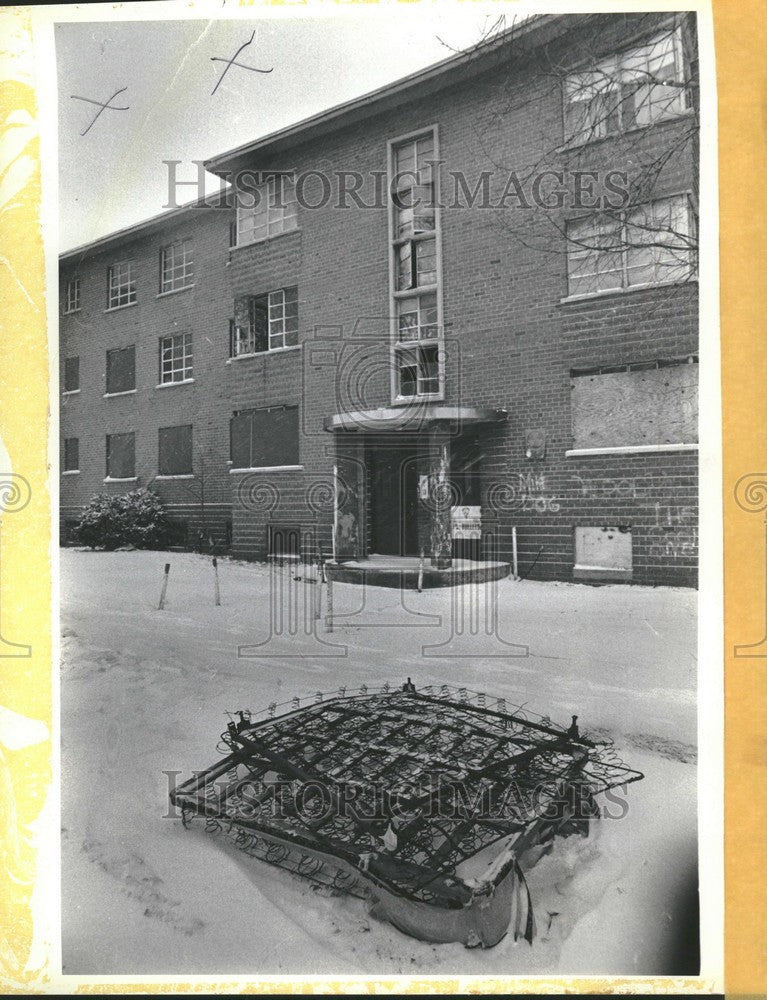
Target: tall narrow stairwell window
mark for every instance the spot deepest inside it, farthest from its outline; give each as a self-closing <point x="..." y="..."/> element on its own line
<point x="416" y="293"/>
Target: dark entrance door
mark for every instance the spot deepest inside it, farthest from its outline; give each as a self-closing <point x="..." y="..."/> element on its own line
<point x="393" y="500"/>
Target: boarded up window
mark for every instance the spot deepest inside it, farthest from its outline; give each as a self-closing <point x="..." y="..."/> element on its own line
<point x="641" y="405"/>
<point x="175" y="450"/>
<point x="121" y="369"/>
<point x="264" y="438"/>
<point x="121" y="456"/>
<point x="71" y="374"/>
<point x="71" y="454"/>
<point x="603" y="553"/>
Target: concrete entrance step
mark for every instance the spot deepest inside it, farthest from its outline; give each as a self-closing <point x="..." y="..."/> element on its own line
<point x="401" y="572"/>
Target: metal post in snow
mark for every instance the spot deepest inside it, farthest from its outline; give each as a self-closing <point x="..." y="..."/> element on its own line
<point x="514" y="560"/>
<point x="329" y="615"/>
<point x="217" y="592"/>
<point x="318" y="605"/>
<point x="163" y="592"/>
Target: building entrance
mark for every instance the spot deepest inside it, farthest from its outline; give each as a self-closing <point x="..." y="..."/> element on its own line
<point x="393" y="499"/>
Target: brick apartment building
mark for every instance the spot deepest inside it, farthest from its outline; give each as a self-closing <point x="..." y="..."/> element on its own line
<point x="468" y="298"/>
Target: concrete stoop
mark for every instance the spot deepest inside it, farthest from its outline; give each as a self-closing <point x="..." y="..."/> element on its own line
<point x="403" y="572"/>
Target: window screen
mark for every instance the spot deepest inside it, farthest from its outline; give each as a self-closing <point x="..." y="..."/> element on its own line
<point x="121" y="369"/>
<point x="266" y="437"/>
<point x="121" y="456"/>
<point x="71" y="454"/>
<point x="175" y="450"/>
<point x="71" y="374"/>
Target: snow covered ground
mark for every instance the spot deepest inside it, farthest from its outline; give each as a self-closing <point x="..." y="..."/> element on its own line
<point x="145" y="692"/>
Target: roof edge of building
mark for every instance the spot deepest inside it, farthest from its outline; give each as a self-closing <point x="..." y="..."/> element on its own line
<point x="472" y="60"/>
<point x="144" y="225"/>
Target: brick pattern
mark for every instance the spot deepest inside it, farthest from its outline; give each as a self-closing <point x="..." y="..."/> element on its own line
<point x="511" y="341"/>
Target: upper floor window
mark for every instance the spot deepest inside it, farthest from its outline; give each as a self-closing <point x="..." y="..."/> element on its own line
<point x="647" y="245"/>
<point x="416" y="292"/>
<point x="121" y="370"/>
<point x="71" y="375"/>
<point x="274" y="211"/>
<point x="628" y="90"/>
<point x="72" y="298"/>
<point x="121" y="285"/>
<point x="264" y="322"/>
<point x="175" y="358"/>
<point x="176" y="266"/>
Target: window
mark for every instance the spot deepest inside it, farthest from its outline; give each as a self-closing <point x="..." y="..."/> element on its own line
<point x="264" y="322"/>
<point x="650" y="244"/>
<point x="175" y="358"/>
<point x="121" y="456"/>
<point x="264" y="438"/>
<point x="634" y="88"/>
<point x="274" y="211"/>
<point x="416" y="295"/>
<point x="71" y="454"/>
<point x="649" y="404"/>
<point x="121" y="370"/>
<point x="72" y="298"/>
<point x="71" y="374"/>
<point x="418" y="372"/>
<point x="121" y="285"/>
<point x="417" y="318"/>
<point x="176" y="266"/>
<point x="175" y="450"/>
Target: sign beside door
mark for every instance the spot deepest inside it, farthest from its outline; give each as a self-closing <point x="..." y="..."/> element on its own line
<point x="466" y="522"/>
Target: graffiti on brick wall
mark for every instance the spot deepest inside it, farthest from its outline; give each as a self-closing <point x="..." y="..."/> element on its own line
<point x="674" y="535"/>
<point x="605" y="488"/>
<point x="675" y="544"/>
<point x="524" y="491"/>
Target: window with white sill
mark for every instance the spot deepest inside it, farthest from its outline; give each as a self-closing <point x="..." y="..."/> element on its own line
<point x="650" y="244"/>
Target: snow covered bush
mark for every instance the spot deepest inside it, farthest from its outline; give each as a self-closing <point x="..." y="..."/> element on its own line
<point x="136" y="518"/>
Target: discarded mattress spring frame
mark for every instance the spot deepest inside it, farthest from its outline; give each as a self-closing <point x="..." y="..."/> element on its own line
<point x="429" y="803"/>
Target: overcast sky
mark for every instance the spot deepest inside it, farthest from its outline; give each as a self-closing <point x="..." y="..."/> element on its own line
<point x="114" y="175"/>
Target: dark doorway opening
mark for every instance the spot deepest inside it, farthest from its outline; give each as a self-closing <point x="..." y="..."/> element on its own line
<point x="393" y="493"/>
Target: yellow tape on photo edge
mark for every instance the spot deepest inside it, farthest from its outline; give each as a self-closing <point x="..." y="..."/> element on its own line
<point x="25" y="578"/>
<point x="25" y="535"/>
<point x="741" y="42"/>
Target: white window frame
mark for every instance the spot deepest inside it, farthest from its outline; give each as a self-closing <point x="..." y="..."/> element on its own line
<point x="397" y="347"/>
<point x="173" y="365"/>
<point x="245" y="336"/>
<point x="276" y="333"/>
<point x="270" y="218"/>
<point x="121" y="285"/>
<point x="277" y="320"/>
<point x="72" y="300"/>
<point x="414" y="351"/>
<point x="611" y="74"/>
<point x="684" y="271"/>
<point x="176" y="266"/>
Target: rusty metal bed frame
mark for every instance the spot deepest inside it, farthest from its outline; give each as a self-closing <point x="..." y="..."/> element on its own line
<point x="430" y="803"/>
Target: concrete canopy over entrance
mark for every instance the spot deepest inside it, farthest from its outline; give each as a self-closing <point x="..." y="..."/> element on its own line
<point x="395" y="491"/>
<point x="414" y="416"/>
